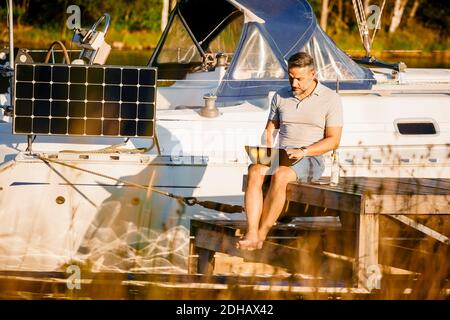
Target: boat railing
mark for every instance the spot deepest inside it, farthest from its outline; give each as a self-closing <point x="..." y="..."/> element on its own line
<point x="381" y="87"/>
<point x="56" y="56"/>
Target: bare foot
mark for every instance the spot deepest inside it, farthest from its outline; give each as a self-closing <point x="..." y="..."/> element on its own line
<point x="262" y="233"/>
<point x="250" y="242"/>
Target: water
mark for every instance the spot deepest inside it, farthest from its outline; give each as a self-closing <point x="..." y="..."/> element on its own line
<point x="432" y="61"/>
<point x="142" y="57"/>
<point x="130" y="57"/>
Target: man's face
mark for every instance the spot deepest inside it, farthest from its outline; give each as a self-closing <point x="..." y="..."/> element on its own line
<point x="301" y="79"/>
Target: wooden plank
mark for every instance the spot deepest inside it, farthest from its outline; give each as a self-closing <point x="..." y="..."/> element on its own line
<point x="384" y="185"/>
<point x="390" y="186"/>
<point x="280" y="230"/>
<point x="417" y="186"/>
<point x="367" y="264"/>
<point x="216" y="241"/>
<point x="193" y="256"/>
<point x="229" y="227"/>
<point x="345" y="185"/>
<point x="407" y="204"/>
<point x="295" y="259"/>
<point x="422" y="228"/>
<point x="205" y="264"/>
<point x="309" y="224"/>
<point x="442" y="182"/>
<point x="364" y="183"/>
<point x="396" y="254"/>
<point x="317" y="196"/>
<point x="345" y="195"/>
<point x="426" y="182"/>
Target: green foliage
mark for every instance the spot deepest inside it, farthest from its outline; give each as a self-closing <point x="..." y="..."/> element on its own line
<point x="137" y="23"/>
<point x="435" y="15"/>
<point x="125" y="14"/>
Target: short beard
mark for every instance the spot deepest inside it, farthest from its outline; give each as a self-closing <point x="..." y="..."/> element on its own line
<point x="299" y="91"/>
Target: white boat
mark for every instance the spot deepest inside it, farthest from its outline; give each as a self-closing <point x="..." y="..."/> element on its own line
<point x="396" y="124"/>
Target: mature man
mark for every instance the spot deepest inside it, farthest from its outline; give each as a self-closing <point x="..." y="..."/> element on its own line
<point x="309" y="118"/>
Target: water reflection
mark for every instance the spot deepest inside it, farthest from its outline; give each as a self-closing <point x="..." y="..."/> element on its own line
<point x="141" y="57"/>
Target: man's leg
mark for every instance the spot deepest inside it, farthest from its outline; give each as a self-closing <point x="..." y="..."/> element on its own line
<point x="253" y="205"/>
<point x="275" y="199"/>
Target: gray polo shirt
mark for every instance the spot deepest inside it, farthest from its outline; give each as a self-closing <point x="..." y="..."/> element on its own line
<point x="303" y="122"/>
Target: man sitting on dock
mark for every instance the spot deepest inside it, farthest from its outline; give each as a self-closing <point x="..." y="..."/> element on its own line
<point x="309" y="118"/>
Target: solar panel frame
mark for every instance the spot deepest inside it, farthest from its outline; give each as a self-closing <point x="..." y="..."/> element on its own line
<point x="85" y="100"/>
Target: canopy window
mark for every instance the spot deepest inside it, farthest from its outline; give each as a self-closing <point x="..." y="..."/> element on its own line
<point x="257" y="60"/>
<point x="196" y="28"/>
<point x="262" y="35"/>
<point x="227" y="39"/>
<point x="178" y="46"/>
<point x="331" y="63"/>
<point x="178" y="54"/>
<point x="207" y="18"/>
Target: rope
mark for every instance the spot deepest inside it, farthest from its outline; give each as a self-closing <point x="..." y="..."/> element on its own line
<point x="362" y="24"/>
<point x="110" y="149"/>
<point x="378" y="22"/>
<point x="190" y="201"/>
<point x="115" y="148"/>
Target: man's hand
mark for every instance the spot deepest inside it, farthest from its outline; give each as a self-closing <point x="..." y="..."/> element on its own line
<point x="295" y="153"/>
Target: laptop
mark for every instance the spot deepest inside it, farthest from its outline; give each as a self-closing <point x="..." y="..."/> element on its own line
<point x="266" y="156"/>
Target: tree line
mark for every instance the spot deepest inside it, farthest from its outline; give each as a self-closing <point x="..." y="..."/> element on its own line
<point x="151" y="15"/>
<point x="396" y="14"/>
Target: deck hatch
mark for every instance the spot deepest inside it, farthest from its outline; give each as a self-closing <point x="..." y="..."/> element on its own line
<point x="116" y="101"/>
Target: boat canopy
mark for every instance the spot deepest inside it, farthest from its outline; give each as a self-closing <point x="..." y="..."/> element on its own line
<point x="260" y="36"/>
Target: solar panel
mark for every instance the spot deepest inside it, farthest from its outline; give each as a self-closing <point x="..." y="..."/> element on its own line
<point x="84" y="100"/>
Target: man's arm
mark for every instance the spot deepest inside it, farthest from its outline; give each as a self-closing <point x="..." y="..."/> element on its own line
<point x="330" y="142"/>
<point x="268" y="132"/>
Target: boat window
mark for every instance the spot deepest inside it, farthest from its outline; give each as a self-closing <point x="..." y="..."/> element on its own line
<point x="414" y="128"/>
<point x="331" y="63"/>
<point x="178" y="46"/>
<point x="257" y="61"/>
<point x="227" y="40"/>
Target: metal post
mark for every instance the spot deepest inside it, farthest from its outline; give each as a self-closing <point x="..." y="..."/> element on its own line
<point x="11" y="47"/>
<point x="30" y="143"/>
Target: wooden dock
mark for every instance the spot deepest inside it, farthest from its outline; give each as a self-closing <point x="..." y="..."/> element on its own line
<point x="382" y="226"/>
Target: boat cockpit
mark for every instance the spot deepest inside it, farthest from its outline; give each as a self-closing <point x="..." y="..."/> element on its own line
<point x="238" y="51"/>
